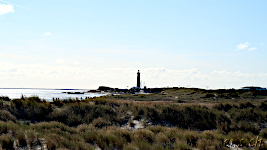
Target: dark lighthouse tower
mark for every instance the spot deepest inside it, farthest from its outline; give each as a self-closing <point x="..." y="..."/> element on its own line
<point x="138" y="79"/>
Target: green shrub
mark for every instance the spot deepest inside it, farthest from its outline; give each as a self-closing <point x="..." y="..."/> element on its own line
<point x="247" y="127"/>
<point x="188" y="117"/>
<point x="74" y="114"/>
<point x="7" y="116"/>
<point x="32" y="137"/>
<point x="173" y="134"/>
<point x="207" y="144"/>
<point x="263" y="106"/>
<point x="46" y="126"/>
<point x="157" y="129"/>
<point x="244" y="105"/>
<point x="30" y="109"/>
<point x="264" y="133"/>
<point x="142" y="145"/>
<point x="225" y="107"/>
<point x="100" y="123"/>
<point x="130" y="146"/>
<point x="54" y="141"/>
<point x="249" y="115"/>
<point x="144" y="135"/>
<point x="8" y="126"/>
<point x="224" y="127"/>
<point x="123" y="134"/>
<point x="181" y="145"/>
<point x="107" y="140"/>
<point x="83" y="128"/>
<point x="7" y="141"/>
<point x="4" y="98"/>
<point x="90" y="137"/>
<point x="213" y="135"/>
<point x="66" y="140"/>
<point x="238" y="135"/>
<point x="161" y="138"/>
<point x="139" y="113"/>
<point x="57" y="103"/>
<point x="21" y="139"/>
<point x="191" y="139"/>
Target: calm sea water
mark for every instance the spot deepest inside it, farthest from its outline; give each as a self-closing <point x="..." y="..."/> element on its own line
<point x="46" y="94"/>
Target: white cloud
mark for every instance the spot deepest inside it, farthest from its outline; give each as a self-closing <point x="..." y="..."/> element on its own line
<point x="245" y="46"/>
<point x="77" y="63"/>
<point x="60" y="61"/>
<point x="242" y="46"/>
<point x="261" y="44"/>
<point x="47" y="33"/>
<point x="13" y="4"/>
<point x="91" y="76"/>
<point x="4" y="9"/>
<point x="252" y="49"/>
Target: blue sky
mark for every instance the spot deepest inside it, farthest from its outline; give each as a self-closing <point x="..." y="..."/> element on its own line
<point x="85" y="44"/>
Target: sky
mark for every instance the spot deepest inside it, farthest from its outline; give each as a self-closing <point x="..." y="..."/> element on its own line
<point x="82" y="44"/>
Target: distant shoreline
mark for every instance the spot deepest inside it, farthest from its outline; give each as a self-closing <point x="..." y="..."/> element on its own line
<point x="44" y="89"/>
<point x="48" y="94"/>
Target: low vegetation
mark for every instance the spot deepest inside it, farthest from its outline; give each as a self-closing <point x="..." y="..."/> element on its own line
<point x="173" y="119"/>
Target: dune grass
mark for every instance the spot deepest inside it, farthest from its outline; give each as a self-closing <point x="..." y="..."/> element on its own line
<point x="226" y="117"/>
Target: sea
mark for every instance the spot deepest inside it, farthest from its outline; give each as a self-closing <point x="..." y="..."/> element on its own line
<point x="47" y="94"/>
